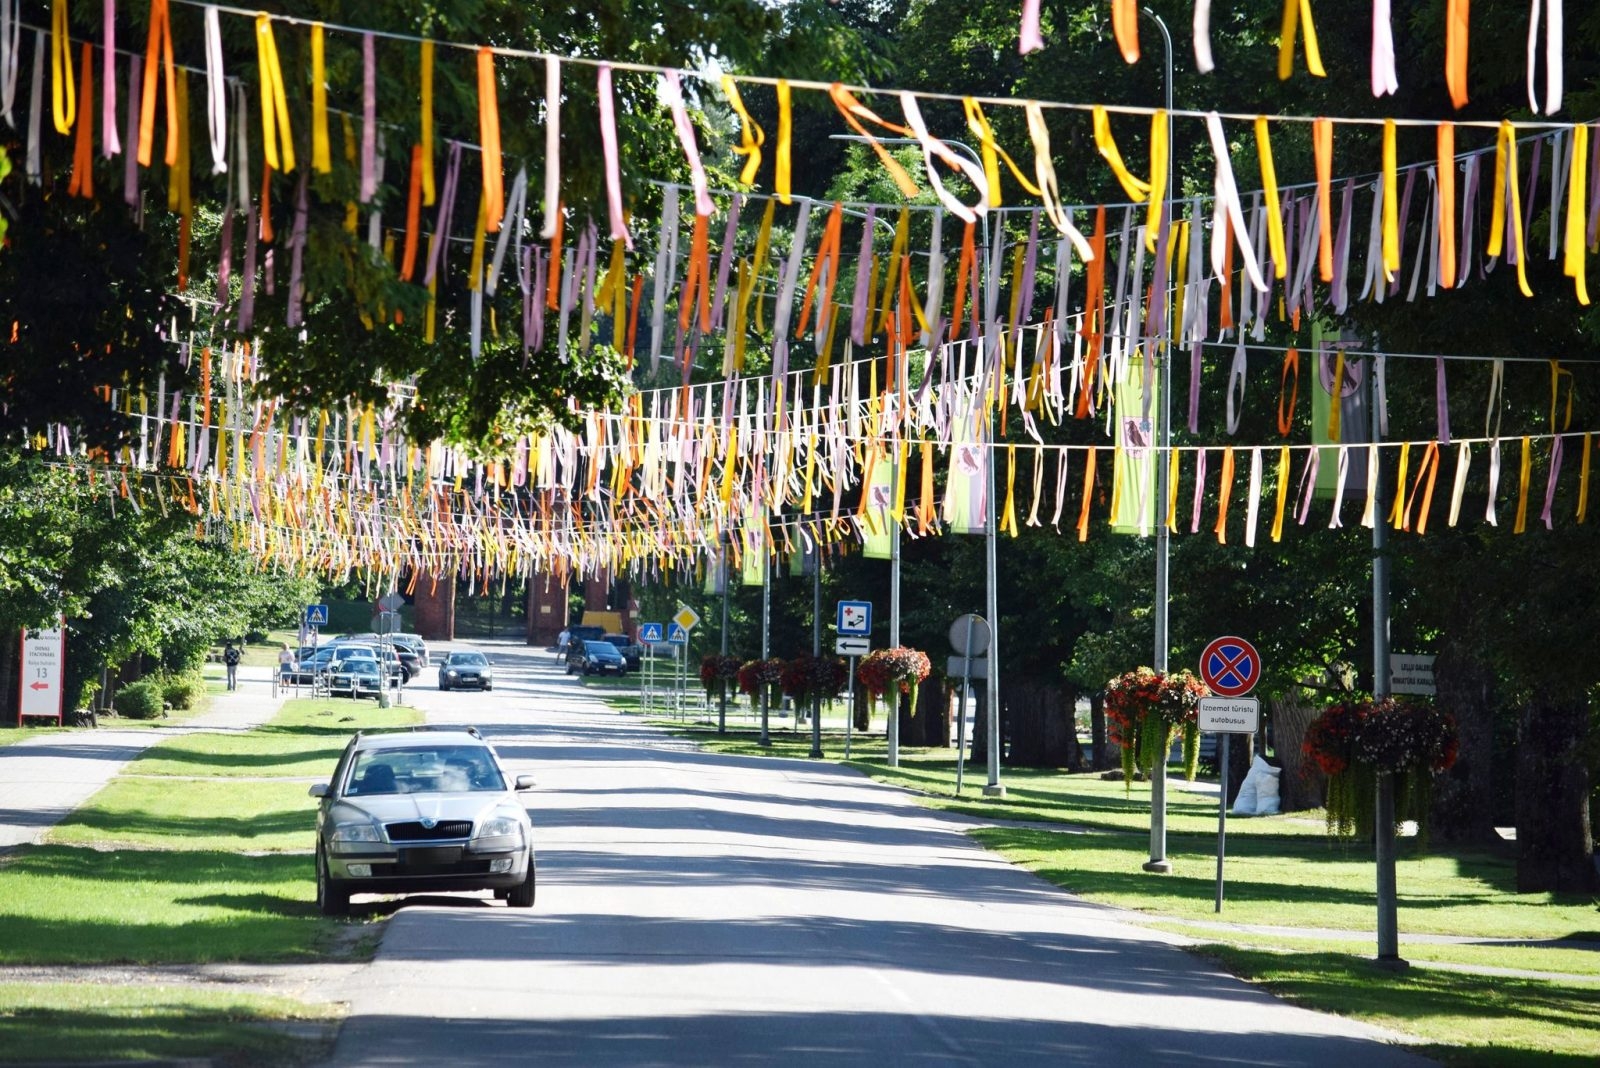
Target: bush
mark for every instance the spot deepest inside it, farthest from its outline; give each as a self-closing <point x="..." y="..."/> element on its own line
<point x="182" y="692"/>
<point x="140" y="700"/>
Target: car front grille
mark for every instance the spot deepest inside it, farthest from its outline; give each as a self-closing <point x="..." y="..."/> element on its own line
<point x="413" y="831"/>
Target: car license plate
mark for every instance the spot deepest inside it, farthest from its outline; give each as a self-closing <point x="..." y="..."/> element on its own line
<point x="432" y="856"/>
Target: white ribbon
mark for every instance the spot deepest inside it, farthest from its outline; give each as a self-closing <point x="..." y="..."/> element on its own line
<point x="1553" y="63"/>
<point x="1227" y="206"/>
<point x="35" y="171"/>
<point x="1202" y="37"/>
<point x="932" y="146"/>
<point x="1044" y="170"/>
<point x="216" y="93"/>
<point x="516" y="206"/>
<point x="1253" y="506"/>
<point x="552" y="159"/>
<point x="10" y="57"/>
<point x="1384" y="79"/>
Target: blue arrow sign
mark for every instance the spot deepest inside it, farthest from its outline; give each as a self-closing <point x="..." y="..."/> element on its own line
<point x="649" y="633"/>
<point x="316" y="615"/>
<point x="855" y="618"/>
<point x="676" y="635"/>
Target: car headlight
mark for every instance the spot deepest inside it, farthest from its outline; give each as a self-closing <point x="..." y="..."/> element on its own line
<point x="452" y="673"/>
<point x="485" y="673"/>
<point x="346" y="836"/>
<point x="497" y="827"/>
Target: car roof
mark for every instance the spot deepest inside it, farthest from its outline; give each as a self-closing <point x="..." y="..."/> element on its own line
<point x="600" y="642"/>
<point x="419" y="739"/>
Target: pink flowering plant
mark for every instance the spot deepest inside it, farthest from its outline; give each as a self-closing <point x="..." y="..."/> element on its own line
<point x="1145" y="708"/>
<point x="1355" y="741"/>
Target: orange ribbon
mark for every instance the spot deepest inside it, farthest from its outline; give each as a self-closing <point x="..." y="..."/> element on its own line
<point x="489" y="133"/>
<point x="1322" y="145"/>
<point x="853" y="111"/>
<point x="1457" y="14"/>
<point x="82" y="184"/>
<point x="1125" y="28"/>
<point x="158" y="45"/>
<point x="408" y="258"/>
<point x="1447" y="204"/>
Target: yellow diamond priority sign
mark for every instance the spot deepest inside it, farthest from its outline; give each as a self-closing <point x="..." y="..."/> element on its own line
<point x="686" y="618"/>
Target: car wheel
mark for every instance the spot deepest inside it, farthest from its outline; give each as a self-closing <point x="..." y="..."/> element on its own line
<point x="443" y="687"/>
<point x="333" y="898"/>
<point x="569" y="669"/>
<point x="489" y="686"/>
<point x="521" y="896"/>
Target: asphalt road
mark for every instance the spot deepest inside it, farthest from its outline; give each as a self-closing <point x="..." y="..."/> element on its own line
<point x="706" y="910"/>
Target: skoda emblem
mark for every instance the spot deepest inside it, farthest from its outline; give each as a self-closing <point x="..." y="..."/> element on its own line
<point x="427" y="824"/>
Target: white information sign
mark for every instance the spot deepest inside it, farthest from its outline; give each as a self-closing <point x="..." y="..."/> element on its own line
<point x="1411" y="675"/>
<point x="44" y="657"/>
<point x="1230" y="715"/>
<point x="849" y="646"/>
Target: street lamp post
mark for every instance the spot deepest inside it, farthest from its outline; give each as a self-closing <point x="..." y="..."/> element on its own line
<point x="722" y="683"/>
<point x="1158" y="861"/>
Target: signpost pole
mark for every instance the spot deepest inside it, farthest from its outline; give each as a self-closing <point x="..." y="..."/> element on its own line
<point x="816" y="649"/>
<point x="850" y="712"/>
<point x="766" y="638"/>
<point x="1222" y="818"/>
<point x="722" y="684"/>
<point x="1383" y="817"/>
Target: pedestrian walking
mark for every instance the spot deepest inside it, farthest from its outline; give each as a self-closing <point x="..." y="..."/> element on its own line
<point x="286" y="664"/>
<point x="230" y="657"/>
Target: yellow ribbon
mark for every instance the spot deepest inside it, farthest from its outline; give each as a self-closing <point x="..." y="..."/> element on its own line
<point x="992" y="153"/>
<point x="1293" y="12"/>
<point x="1269" y="185"/>
<point x="1525" y="470"/>
<point x="63" y="94"/>
<point x="426" y="134"/>
<point x="1583" y="479"/>
<point x="1159" y="153"/>
<point x="1283" y="492"/>
<point x="785" y="129"/>
<point x="1136" y="188"/>
<point x="475" y="272"/>
<point x="751" y="136"/>
<point x="1391" y="204"/>
<point x="1577" y="213"/>
<point x="320" y="161"/>
<point x="1507" y="184"/>
<point x="274" y="104"/>
<point x="1398" y="509"/>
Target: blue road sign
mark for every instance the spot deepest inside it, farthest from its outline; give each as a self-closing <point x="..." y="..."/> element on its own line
<point x="649" y="633"/>
<point x="676" y="635"/>
<point x="855" y="617"/>
<point x="316" y="615"/>
<point x="1230" y="666"/>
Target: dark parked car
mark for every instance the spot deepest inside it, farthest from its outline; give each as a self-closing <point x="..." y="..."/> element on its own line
<point x="465" y="669"/>
<point x="594" y="658"/>
<point x="631" y="650"/>
<point x="424" y="810"/>
<point x="577" y="635"/>
<point x="355" y="676"/>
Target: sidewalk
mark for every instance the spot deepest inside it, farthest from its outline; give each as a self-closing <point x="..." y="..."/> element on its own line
<point x="45" y="778"/>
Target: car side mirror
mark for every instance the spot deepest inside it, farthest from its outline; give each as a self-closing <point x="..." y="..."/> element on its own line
<point x="524" y="782"/>
<point x="319" y="790"/>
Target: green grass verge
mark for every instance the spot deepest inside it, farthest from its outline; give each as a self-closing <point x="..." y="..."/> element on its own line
<point x="95" y="1022"/>
<point x="159" y="867"/>
<point x="1488" y="1021"/>
<point x="1283" y="872"/>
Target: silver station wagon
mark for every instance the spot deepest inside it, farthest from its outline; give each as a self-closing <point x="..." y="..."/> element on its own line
<point x="424" y="810"/>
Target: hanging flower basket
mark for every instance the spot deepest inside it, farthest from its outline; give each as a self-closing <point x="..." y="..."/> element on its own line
<point x="898" y="670"/>
<point x="756" y="674"/>
<point x="807" y="677"/>
<point x="716" y="671"/>
<point x="1353" y="742"/>
<point x="1145" y="708"/>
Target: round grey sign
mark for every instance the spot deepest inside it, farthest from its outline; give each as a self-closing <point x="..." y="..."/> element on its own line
<point x="969" y="635"/>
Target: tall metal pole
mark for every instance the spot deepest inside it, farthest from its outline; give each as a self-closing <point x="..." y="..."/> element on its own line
<point x="816" y="648"/>
<point x="1158" y="861"/>
<point x="1383" y="816"/>
<point x="766" y="635"/>
<point x="722" y="684"/>
<point x="893" y="727"/>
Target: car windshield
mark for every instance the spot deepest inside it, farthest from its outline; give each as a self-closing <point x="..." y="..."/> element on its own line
<point x="359" y="667"/>
<point x="468" y="659"/>
<point x="600" y="648"/>
<point x="424" y="770"/>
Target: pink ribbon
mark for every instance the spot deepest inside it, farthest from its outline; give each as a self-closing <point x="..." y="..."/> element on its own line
<point x="608" y="147"/>
<point x="297" y="245"/>
<point x="1441" y="400"/>
<point x="109" y="145"/>
<point x="1199" y="489"/>
<point x="1550" y="486"/>
<point x="1029" y="39"/>
<point x="685" y="132"/>
<point x="130" y="162"/>
<point x="369" y="119"/>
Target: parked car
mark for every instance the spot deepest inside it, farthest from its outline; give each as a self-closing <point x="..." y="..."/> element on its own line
<point x="379" y="651"/>
<point x="466" y="669"/>
<point x="595" y="658"/>
<point x="425" y="810"/>
<point x="355" y="676"/>
<point x="309" y="663"/>
<point x="415" y="643"/>
<point x="580" y="634"/>
<point x="631" y="651"/>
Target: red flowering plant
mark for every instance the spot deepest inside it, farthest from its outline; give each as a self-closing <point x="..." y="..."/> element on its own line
<point x="896" y="670"/>
<point x="806" y="677"/>
<point x="756" y="674"/>
<point x="1145" y="707"/>
<point x="716" y="671"/>
<point x="1354" y="742"/>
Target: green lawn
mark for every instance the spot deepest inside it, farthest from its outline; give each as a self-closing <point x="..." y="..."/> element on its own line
<point x="104" y="1022"/>
<point x="1281" y="871"/>
<point x="1481" y="1021"/>
<point x="199" y="852"/>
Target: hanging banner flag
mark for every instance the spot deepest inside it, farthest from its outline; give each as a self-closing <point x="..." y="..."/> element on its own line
<point x="1134" y="455"/>
<point x="754" y="535"/>
<point x="1351" y="426"/>
<point x="967" y="482"/>
<point x="878" y="500"/>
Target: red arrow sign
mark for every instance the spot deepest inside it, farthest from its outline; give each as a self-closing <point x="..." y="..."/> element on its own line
<point x="39" y="686"/>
